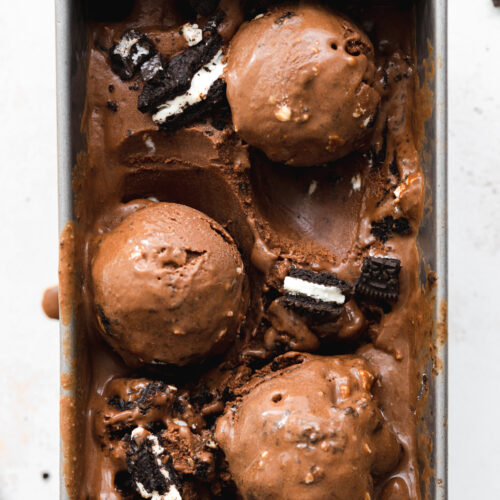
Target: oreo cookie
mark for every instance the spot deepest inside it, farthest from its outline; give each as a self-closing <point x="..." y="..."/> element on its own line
<point x="150" y="467"/>
<point x="379" y="278"/>
<point x="179" y="73"/>
<point x="173" y="116"/>
<point x="321" y="295"/>
<point x="388" y="226"/>
<point x="190" y="85"/>
<point x="130" y="52"/>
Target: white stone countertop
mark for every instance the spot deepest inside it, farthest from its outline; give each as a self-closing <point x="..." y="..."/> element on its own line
<point x="29" y="355"/>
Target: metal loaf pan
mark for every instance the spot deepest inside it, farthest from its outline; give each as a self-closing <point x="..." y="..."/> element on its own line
<point x="431" y="47"/>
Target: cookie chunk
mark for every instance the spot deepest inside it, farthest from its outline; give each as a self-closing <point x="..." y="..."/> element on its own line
<point x="179" y="74"/>
<point x="379" y="278"/>
<point x="152" y="71"/>
<point x="151" y="468"/>
<point x="130" y="52"/>
<point x="388" y="226"/>
<point x="316" y="294"/>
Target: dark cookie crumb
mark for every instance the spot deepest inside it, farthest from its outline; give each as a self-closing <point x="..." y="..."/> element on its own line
<point x="388" y="226"/>
<point x="356" y="48"/>
<point x="284" y="17"/>
<point x="112" y="105"/>
<point x="45" y="476"/>
<point x="141" y="400"/>
<point x="124" y="483"/>
<point x="202" y="469"/>
<point x="393" y="167"/>
<point x="111" y="88"/>
<point x="379" y="278"/>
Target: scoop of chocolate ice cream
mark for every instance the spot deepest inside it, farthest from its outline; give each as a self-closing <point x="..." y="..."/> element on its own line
<point x="300" y="84"/>
<point x="169" y="286"/>
<point x="310" y="431"/>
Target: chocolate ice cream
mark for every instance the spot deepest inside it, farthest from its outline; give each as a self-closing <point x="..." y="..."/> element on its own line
<point x="169" y="286"/>
<point x="300" y="82"/>
<point x="310" y="431"/>
<point x="247" y="300"/>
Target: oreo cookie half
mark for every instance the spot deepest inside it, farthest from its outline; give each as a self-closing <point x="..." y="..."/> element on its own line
<point x="379" y="278"/>
<point x="321" y="295"/>
<point x="153" y="476"/>
<point x="130" y="52"/>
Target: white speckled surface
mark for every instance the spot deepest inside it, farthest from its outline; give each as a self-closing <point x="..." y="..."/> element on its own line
<point x="474" y="242"/>
<point x="29" y="356"/>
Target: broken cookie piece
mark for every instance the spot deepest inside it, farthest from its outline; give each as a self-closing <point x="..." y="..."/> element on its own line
<point x="318" y="294"/>
<point x="151" y="468"/>
<point x="379" y="278"/>
<point x="388" y="226"/>
<point x="128" y="54"/>
<point x="179" y="73"/>
<point x="206" y="91"/>
<point x="152" y="70"/>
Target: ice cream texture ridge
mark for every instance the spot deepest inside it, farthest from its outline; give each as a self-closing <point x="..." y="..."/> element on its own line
<point x="243" y="274"/>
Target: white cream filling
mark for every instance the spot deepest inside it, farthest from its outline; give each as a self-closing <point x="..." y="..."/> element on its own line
<point x="124" y="45"/>
<point x="200" y="85"/>
<point x="192" y="34"/>
<point x="141" y="51"/>
<point x="314" y="290"/>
